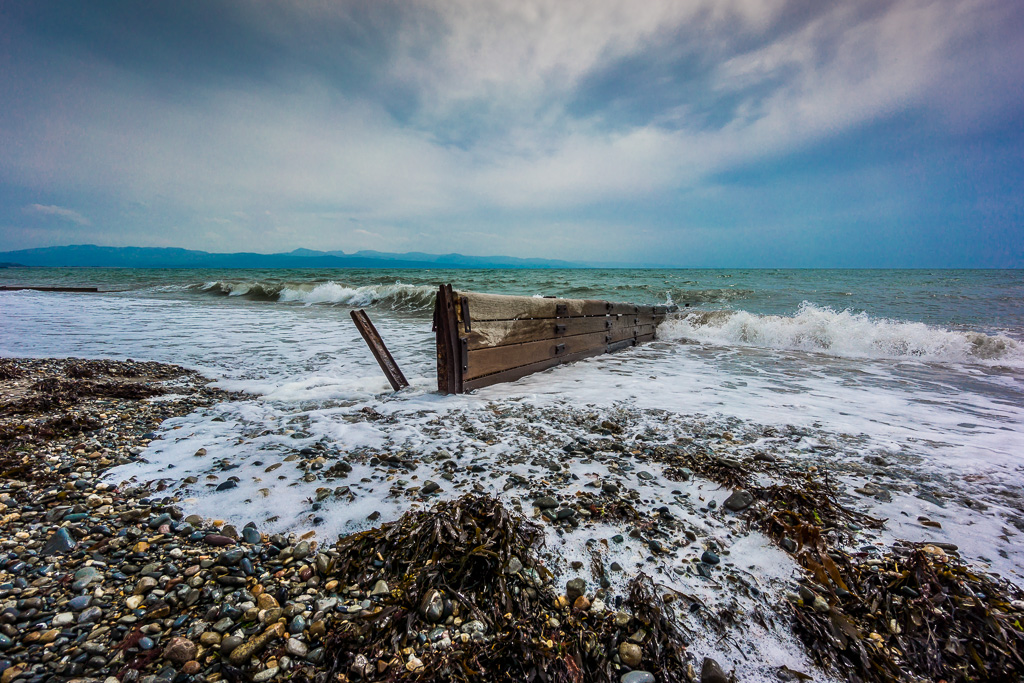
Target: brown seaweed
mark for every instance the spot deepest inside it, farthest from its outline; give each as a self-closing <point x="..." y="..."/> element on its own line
<point x="482" y="559"/>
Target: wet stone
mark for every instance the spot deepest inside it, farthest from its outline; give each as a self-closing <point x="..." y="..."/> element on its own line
<point x="546" y="502"/>
<point x="738" y="501"/>
<point x="60" y="542"/>
<point x="250" y="535"/>
<point x="711" y="672"/>
<point x="228" y="645"/>
<point x="90" y="615"/>
<point x="708" y="557"/>
<point x="630" y="654"/>
<point x="80" y="602"/>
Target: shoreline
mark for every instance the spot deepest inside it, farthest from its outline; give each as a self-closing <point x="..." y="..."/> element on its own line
<point x="99" y="580"/>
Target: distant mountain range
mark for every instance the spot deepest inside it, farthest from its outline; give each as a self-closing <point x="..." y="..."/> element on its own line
<point x="90" y="255"/>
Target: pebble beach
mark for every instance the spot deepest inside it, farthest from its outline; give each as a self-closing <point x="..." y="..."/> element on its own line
<point x="113" y="580"/>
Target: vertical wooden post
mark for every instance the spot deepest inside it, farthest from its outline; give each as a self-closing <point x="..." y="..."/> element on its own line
<point x="450" y="347"/>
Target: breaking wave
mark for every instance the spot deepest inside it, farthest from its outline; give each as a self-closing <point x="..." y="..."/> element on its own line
<point x="822" y="329"/>
<point x="395" y="297"/>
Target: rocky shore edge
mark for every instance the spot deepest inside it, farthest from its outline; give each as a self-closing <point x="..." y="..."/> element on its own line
<point x="99" y="582"/>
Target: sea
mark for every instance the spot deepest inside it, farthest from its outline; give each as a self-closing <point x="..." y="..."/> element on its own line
<point x="905" y="385"/>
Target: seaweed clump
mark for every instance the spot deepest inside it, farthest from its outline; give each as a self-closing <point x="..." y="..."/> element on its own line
<point x="916" y="611"/>
<point x="919" y="612"/>
<point x="9" y="370"/>
<point x="458" y="594"/>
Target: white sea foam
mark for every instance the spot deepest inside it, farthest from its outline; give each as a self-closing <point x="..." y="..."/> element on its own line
<point x="821" y="329"/>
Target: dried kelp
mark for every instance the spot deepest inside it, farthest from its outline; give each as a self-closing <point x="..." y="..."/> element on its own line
<point x="473" y="562"/>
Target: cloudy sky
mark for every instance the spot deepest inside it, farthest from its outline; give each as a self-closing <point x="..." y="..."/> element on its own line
<point x="693" y="133"/>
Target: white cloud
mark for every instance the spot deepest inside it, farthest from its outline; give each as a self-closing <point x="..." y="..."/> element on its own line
<point x="58" y="212"/>
<point x="304" y="149"/>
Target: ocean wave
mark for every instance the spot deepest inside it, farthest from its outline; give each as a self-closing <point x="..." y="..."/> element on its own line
<point x="821" y="329"/>
<point x="722" y="295"/>
<point x="395" y="297"/>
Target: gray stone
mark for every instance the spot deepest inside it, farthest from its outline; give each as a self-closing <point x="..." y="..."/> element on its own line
<point x="737" y="502"/>
<point x="60" y="542"/>
<point x="430" y="487"/>
<point x="90" y="615"/>
<point x="545" y="502"/>
<point x="637" y="677"/>
<point x="296" y="647"/>
<point x="250" y="535"/>
<point x="80" y="602"/>
<point x="380" y="588"/>
<point x="709" y="557"/>
<point x="711" y="672"/>
<point x="63" y="619"/>
<point x="223" y="625"/>
<point x="265" y="675"/>
<point x="229" y="644"/>
<point x="574" y="588"/>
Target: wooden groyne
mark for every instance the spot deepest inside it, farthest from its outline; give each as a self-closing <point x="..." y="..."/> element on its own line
<point x="484" y="339"/>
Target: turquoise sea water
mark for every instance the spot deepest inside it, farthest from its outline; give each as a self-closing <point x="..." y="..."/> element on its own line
<point x="984" y="300"/>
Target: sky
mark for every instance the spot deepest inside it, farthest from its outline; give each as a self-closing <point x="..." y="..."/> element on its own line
<point x="725" y="133"/>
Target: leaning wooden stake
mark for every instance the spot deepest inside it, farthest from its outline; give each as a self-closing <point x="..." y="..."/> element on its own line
<point x="380" y="352"/>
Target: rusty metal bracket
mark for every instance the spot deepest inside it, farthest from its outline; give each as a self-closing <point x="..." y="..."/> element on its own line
<point x="380" y="351"/>
<point x="464" y="308"/>
<point x="561" y="309"/>
<point x="559" y="329"/>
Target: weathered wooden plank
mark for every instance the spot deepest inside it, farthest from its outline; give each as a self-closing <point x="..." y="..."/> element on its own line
<point x="483" y="307"/>
<point x="627" y="343"/>
<point x="495" y="333"/>
<point x="384" y="358"/>
<point x="488" y="361"/>
<point x="522" y="371"/>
